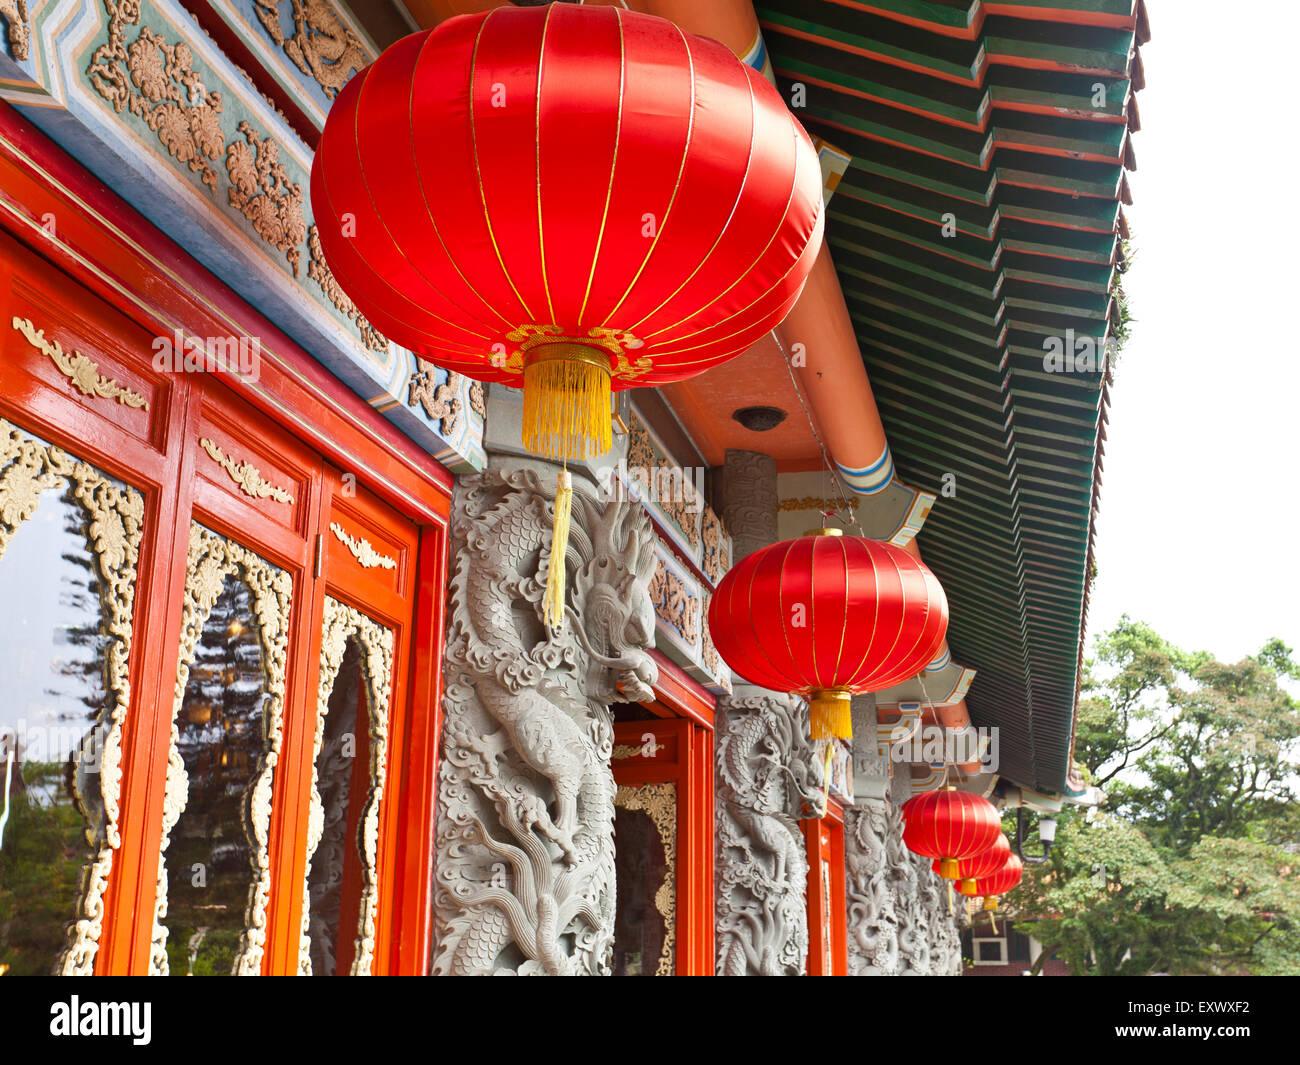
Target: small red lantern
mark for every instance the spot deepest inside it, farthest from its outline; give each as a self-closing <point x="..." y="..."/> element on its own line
<point x="950" y="825"/>
<point x="995" y="884"/>
<point x="990" y="861"/>
<point x="827" y="615"/>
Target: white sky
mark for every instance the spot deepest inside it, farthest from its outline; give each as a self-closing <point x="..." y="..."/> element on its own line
<point x="1197" y="532"/>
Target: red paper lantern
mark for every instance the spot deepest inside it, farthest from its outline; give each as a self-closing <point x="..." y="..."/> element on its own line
<point x="573" y="199"/>
<point x="997" y="883"/>
<point x="827" y="615"/>
<point x="987" y="862"/>
<point x="950" y="825"/>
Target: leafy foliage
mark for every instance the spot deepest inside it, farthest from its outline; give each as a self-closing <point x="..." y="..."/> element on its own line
<point x="1196" y="868"/>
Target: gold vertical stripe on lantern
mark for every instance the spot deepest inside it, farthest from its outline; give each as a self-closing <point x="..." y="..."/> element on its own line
<point x="567" y="401"/>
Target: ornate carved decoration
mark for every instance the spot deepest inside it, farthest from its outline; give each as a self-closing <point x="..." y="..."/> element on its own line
<point x="673" y="491"/>
<point x="768" y="775"/>
<point x="247" y="476"/>
<point x="82" y="371"/>
<point x="260" y="189"/>
<point x="659" y="801"/>
<point x="525" y="847"/>
<point x="439" y="401"/>
<point x="340" y="624"/>
<point x="20" y="34"/>
<point x="674" y="602"/>
<point x="898" y="919"/>
<point x="156" y="82"/>
<point x="322" y="47"/>
<point x="362" y="549"/>
<point x="749" y="501"/>
<point x="477" y="399"/>
<point x="115" y="526"/>
<point x="211" y="560"/>
<point x="319" y="271"/>
<point x="716" y="557"/>
<point x="818" y="503"/>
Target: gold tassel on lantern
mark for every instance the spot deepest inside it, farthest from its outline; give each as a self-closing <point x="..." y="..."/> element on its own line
<point x="831" y="713"/>
<point x="567" y="401"/>
<point x="553" y="600"/>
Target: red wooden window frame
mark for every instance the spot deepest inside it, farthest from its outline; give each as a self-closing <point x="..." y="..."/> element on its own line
<point x="825" y="842"/>
<point x="304" y="427"/>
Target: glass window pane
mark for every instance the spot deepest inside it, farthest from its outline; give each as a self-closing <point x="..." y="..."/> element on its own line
<point x="645" y="839"/>
<point x="223" y="743"/>
<point x="64" y="526"/>
<point x="337" y="854"/>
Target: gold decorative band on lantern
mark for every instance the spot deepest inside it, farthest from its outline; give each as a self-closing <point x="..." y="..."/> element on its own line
<point x="830" y="713"/>
<point x="567" y="401"/>
<point x="948" y="868"/>
<point x="825" y="532"/>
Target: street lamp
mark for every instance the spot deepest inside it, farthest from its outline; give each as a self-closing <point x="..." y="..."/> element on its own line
<point x="1046" y="836"/>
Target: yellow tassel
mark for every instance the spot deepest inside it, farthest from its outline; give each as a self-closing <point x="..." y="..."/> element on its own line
<point x="553" y="601"/>
<point x="831" y="714"/>
<point x="950" y="898"/>
<point x="567" y="402"/>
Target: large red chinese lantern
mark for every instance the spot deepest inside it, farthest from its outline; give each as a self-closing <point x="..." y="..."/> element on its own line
<point x="996" y="883"/>
<point x="825" y="616"/>
<point x="950" y="825"/>
<point x="984" y="864"/>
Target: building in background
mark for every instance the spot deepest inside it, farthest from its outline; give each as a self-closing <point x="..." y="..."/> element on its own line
<point x="280" y="700"/>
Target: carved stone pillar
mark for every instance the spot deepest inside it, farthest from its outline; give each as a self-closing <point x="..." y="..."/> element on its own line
<point x="898" y="917"/>
<point x="524" y="877"/>
<point x="768" y="776"/>
<point x="749" y="501"/>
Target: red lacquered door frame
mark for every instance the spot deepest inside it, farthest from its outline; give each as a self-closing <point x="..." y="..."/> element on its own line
<point x="825" y="843"/>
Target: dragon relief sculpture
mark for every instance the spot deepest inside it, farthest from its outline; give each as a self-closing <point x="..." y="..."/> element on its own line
<point x="768" y="776"/>
<point x="525" y="837"/>
<point x="872" y="918"/>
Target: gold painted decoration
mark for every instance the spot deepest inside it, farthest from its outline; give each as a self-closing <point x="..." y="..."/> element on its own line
<point x="247" y="476"/>
<point x="340" y="624"/>
<point x="319" y="271"/>
<point x="81" y="370"/>
<point x="321" y="46"/>
<point x="659" y="801"/>
<point x="115" y="527"/>
<point x="211" y="560"/>
<point x="155" y="80"/>
<point x="261" y="191"/>
<point x="825" y="506"/>
<point x="20" y="33"/>
<point x="362" y="549"/>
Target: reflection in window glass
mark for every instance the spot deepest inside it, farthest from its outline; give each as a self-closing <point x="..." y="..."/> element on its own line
<point x="641" y="873"/>
<point x="52" y="665"/>
<point x="223" y="742"/>
<point x="341" y="778"/>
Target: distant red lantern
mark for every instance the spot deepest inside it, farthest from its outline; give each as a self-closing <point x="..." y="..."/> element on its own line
<point x="950" y="825"/>
<point x="990" y="861"/>
<point x="827" y="615"/>
<point x="995" y="884"/>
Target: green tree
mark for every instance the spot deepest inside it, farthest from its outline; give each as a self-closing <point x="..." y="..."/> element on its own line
<point x="1194" y="870"/>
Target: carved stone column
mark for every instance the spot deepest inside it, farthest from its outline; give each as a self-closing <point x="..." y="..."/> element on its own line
<point x="749" y="501"/>
<point x="768" y="776"/>
<point x="525" y="833"/>
<point x="898" y="917"/>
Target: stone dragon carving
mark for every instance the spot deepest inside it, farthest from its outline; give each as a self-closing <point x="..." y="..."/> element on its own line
<point x="899" y="923"/>
<point x="767" y="777"/>
<point x="872" y="920"/>
<point x="525" y="843"/>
